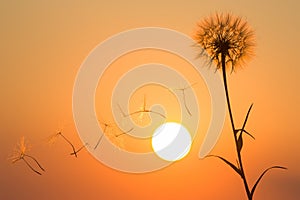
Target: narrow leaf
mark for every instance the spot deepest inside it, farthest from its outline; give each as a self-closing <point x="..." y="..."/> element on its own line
<point x="246" y="119"/>
<point x="261" y="176"/>
<point x="244" y="131"/>
<point x="237" y="170"/>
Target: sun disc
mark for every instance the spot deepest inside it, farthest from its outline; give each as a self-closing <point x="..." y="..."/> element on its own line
<point x="171" y="141"/>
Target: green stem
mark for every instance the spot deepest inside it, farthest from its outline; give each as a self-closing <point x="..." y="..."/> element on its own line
<point x="234" y="130"/>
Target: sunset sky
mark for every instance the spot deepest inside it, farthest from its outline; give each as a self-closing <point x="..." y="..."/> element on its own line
<point x="42" y="48"/>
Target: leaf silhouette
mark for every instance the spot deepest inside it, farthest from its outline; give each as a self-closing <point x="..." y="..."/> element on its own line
<point x="240" y="142"/>
<point x="246" y="119"/>
<point x="244" y="131"/>
<point x="261" y="176"/>
<point x="236" y="169"/>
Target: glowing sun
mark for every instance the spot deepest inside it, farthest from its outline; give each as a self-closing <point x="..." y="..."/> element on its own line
<point x="171" y="141"/>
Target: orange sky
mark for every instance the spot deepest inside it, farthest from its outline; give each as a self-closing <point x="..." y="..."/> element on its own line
<point x="42" y="48"/>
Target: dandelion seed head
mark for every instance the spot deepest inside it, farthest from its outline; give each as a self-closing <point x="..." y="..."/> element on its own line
<point x="225" y="35"/>
<point x="22" y="145"/>
<point x="53" y="138"/>
<point x="19" y="151"/>
<point x="141" y="116"/>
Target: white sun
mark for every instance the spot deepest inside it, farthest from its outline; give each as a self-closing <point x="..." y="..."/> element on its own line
<point x="171" y="141"/>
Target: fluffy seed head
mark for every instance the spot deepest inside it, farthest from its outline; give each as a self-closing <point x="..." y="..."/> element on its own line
<point x="225" y="35"/>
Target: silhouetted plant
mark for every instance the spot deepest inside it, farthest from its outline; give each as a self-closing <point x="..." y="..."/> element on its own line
<point x="227" y="41"/>
<point x="19" y="153"/>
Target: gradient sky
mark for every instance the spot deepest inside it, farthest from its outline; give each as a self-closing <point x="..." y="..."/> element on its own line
<point x="42" y="48"/>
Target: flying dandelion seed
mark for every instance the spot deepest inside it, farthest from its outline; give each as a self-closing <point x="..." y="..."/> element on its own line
<point x="122" y="112"/>
<point x="108" y="130"/>
<point x="98" y="142"/>
<point x="182" y="90"/>
<point x="53" y="138"/>
<point x="124" y="133"/>
<point x="106" y="126"/>
<point x="143" y="110"/>
<point x="77" y="151"/>
<point x="19" y="153"/>
<point x="117" y="139"/>
<point x="19" y="150"/>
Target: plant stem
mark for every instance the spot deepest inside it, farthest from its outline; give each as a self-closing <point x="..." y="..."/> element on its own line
<point x="233" y="129"/>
